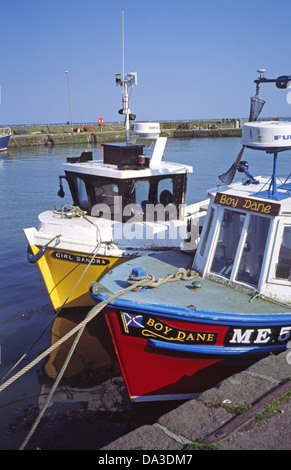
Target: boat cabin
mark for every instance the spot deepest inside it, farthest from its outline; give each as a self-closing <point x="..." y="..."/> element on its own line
<point x="246" y="238"/>
<point x="247" y="241"/>
<point x="128" y="184"/>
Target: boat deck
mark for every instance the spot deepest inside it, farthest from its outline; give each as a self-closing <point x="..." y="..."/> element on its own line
<point x="213" y="297"/>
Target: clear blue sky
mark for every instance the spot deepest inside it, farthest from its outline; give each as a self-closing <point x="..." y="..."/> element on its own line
<point x="193" y="58"/>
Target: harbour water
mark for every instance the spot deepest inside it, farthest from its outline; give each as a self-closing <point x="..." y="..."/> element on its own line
<point x="91" y="407"/>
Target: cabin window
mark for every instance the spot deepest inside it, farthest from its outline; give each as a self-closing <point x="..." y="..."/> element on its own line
<point x="165" y="192"/>
<point x="229" y="236"/>
<point x="81" y="194"/>
<point x="135" y="200"/>
<point x="244" y="232"/>
<point x="142" y="189"/>
<point x="150" y="197"/>
<point x="283" y="267"/>
<point x="104" y="199"/>
<point x="112" y="198"/>
<point x="105" y="192"/>
<point x="207" y="230"/>
<point x="253" y="252"/>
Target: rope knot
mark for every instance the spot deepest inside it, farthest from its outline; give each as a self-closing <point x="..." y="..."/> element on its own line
<point x="185" y="274"/>
<point x="140" y="276"/>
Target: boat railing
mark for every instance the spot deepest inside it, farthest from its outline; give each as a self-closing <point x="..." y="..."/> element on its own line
<point x="197" y="209"/>
<point x="195" y="216"/>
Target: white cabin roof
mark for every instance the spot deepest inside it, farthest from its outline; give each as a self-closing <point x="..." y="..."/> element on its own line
<point x="98" y="168"/>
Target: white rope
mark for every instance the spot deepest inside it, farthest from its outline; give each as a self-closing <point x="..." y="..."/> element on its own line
<point x="79" y="329"/>
<point x="53" y="389"/>
<point x="93" y="312"/>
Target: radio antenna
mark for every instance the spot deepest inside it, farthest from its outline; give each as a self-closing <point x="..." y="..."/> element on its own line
<point x="122" y="49"/>
<point x="125" y="80"/>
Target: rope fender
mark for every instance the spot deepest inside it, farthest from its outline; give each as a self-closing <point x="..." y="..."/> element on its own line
<point x="35" y="258"/>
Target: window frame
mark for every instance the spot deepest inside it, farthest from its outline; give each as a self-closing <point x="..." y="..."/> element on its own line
<point x="214" y="233"/>
<point x="272" y="279"/>
<point x="178" y="182"/>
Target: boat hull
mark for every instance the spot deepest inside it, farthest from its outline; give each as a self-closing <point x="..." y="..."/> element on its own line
<point x="164" y="357"/>
<point x="4" y="141"/>
<point x="67" y="275"/>
<point x="178" y="338"/>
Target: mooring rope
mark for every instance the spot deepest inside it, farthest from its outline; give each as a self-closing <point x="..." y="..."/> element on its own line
<point x="56" y="314"/>
<point x="147" y="280"/>
<point x="74" y="212"/>
<point x="134" y="283"/>
<point x="92" y="313"/>
<point x="53" y="389"/>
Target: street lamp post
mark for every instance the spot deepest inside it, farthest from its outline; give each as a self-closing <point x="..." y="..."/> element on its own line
<point x="67" y="73"/>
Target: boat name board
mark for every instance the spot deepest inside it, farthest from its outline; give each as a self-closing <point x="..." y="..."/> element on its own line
<point x="253" y="205"/>
<point x="152" y="327"/>
<point x="80" y="258"/>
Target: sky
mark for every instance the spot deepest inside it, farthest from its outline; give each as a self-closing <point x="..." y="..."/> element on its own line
<point x="194" y="59"/>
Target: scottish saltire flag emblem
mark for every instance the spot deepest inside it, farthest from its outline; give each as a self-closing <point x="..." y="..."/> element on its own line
<point x="130" y="319"/>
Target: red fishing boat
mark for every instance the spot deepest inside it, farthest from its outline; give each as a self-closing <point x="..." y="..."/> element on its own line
<point x="224" y="310"/>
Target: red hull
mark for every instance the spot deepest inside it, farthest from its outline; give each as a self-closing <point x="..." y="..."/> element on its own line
<point x="152" y="374"/>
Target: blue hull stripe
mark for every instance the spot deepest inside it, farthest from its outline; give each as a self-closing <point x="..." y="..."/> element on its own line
<point x="201" y="316"/>
<point x="215" y="350"/>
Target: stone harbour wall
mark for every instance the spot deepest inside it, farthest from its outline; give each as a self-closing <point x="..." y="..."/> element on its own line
<point x="51" y="135"/>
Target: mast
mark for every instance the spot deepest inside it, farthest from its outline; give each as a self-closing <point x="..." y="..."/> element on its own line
<point x="126" y="81"/>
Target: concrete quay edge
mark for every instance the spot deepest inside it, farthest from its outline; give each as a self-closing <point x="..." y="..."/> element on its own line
<point x="213" y="411"/>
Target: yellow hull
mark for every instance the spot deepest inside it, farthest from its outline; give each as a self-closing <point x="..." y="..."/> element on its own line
<point x="67" y="275"/>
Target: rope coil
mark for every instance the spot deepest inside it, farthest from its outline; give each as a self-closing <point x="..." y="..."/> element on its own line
<point x="180" y="274"/>
<point x="74" y="211"/>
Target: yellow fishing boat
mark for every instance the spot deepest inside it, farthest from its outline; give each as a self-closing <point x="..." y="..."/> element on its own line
<point x="126" y="203"/>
